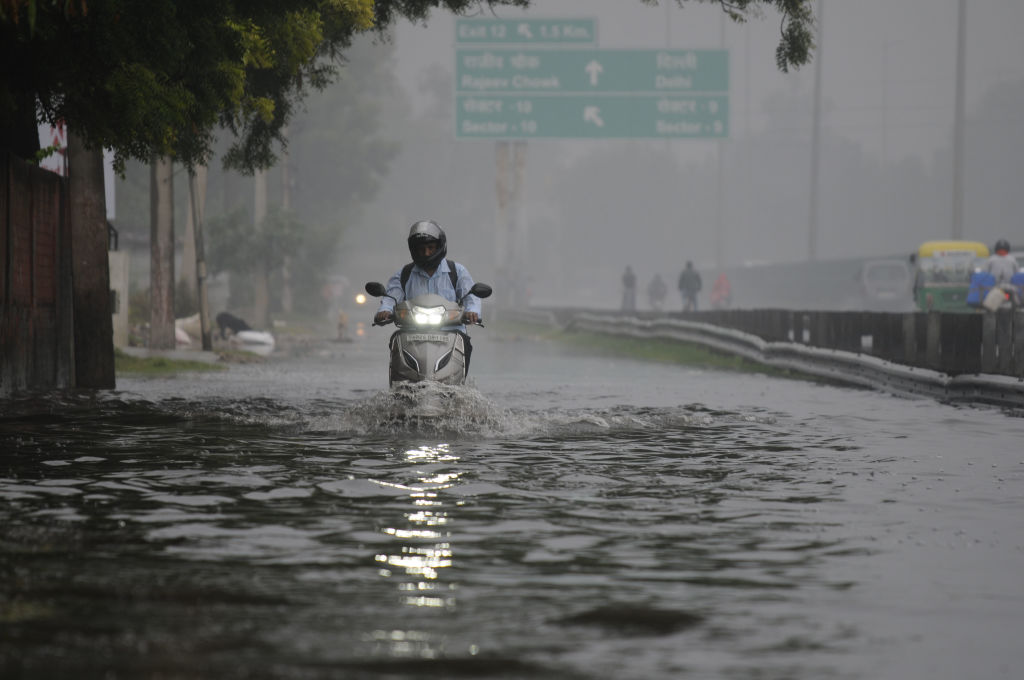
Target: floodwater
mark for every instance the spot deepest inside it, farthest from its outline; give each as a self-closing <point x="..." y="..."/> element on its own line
<point x="564" y="517"/>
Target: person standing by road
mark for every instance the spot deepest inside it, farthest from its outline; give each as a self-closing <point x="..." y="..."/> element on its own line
<point x="721" y="292"/>
<point x="689" y="286"/>
<point x="628" y="290"/>
<point x="656" y="292"/>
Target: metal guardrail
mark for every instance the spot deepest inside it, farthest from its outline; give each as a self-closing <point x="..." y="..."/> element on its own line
<point x="838" y="365"/>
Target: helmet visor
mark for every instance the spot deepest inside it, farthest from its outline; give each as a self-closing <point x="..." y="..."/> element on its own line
<point x="427" y="244"/>
<point x="426" y="229"/>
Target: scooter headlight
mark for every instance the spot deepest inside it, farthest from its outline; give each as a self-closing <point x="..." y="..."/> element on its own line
<point x="428" y="316"/>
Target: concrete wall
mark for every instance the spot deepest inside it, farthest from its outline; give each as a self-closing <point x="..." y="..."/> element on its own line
<point x="120" y="287"/>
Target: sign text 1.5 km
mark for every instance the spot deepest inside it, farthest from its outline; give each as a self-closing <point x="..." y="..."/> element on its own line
<point x="526" y="31"/>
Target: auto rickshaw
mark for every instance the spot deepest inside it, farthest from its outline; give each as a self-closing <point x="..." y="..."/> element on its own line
<point x="942" y="274"/>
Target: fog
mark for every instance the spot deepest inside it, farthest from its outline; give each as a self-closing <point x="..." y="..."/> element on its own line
<point x="590" y="207"/>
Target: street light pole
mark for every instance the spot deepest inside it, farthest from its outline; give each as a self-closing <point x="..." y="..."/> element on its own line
<point x="720" y="226"/>
<point x="812" y="221"/>
<point x="958" y="123"/>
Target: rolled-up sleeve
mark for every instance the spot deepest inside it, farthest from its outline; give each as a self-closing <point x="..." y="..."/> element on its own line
<point x="470" y="303"/>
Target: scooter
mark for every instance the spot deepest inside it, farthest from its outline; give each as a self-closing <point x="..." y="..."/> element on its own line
<point x="1004" y="296"/>
<point x="426" y="347"/>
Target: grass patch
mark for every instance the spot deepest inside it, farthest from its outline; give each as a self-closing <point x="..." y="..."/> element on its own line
<point x="158" y="366"/>
<point x="668" y="351"/>
<point x="647" y="349"/>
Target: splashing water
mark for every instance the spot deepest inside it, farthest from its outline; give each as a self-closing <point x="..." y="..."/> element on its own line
<point x="426" y="407"/>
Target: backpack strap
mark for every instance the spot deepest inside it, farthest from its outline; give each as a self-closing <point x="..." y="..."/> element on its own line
<point x="406" y="271"/>
<point x="452" y="274"/>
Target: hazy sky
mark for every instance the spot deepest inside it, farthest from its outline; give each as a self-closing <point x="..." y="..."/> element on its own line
<point x="888" y="93"/>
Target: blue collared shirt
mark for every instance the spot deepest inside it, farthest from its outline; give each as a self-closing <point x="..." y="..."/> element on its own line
<point x="440" y="283"/>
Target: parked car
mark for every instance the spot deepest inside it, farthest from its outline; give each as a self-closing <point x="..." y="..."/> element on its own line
<point x="886" y="285"/>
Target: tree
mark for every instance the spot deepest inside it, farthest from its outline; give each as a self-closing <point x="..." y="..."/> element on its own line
<point x="93" y="326"/>
<point x="159" y="77"/>
<point x="161" y="268"/>
<point x="340" y="157"/>
<point x="254" y="252"/>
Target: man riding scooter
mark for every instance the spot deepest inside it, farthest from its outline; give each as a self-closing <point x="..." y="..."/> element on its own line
<point x="1004" y="270"/>
<point x="430" y="272"/>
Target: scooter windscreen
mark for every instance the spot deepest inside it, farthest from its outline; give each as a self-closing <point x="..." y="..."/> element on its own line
<point x="427" y="311"/>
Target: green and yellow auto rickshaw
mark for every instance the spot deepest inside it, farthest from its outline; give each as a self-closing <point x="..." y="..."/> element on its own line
<point x="942" y="274"/>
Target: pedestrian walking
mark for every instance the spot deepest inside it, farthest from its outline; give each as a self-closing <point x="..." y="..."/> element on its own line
<point x="656" y="292"/>
<point x="689" y="286"/>
<point x="628" y="290"/>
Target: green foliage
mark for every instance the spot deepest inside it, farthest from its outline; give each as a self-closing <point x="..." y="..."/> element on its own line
<point x="238" y="246"/>
<point x="336" y="145"/>
<point x="646" y="349"/>
<point x="250" y="252"/>
<point x="158" y="77"/>
<point x="45" y="153"/>
<point x="796" y="40"/>
<point x="186" y="302"/>
<point x="139" y="305"/>
<point x="159" y="366"/>
<point x="338" y="159"/>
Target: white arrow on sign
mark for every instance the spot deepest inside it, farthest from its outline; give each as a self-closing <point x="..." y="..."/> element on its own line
<point x="594" y="69"/>
<point x="524" y="30"/>
<point x="592" y="114"/>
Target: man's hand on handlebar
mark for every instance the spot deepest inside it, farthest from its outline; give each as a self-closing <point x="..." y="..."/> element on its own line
<point x="383" y="317"/>
<point x="471" y="317"/>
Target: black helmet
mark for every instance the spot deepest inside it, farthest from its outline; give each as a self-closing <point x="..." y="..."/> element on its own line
<point x="1002" y="244"/>
<point x="427" y="231"/>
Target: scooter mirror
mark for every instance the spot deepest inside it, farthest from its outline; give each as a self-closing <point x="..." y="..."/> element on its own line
<point x="375" y="288"/>
<point x="481" y="290"/>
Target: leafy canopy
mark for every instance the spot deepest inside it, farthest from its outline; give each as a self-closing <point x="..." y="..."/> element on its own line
<point x="796" y="42"/>
<point x="158" y="77"/>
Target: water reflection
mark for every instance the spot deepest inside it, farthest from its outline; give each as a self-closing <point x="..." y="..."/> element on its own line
<point x="305" y="537"/>
<point x="422" y="550"/>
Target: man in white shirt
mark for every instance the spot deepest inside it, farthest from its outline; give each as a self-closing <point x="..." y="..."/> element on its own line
<point x="431" y="272"/>
<point x="1001" y="265"/>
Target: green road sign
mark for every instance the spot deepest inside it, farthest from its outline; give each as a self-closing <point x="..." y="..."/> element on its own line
<point x="513" y="116"/>
<point x="526" y="31"/>
<point x="481" y="70"/>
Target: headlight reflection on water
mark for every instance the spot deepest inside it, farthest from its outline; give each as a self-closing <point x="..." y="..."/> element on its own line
<point x="427" y="552"/>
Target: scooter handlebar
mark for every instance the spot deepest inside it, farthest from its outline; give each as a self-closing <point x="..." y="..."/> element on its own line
<point x="478" y="322"/>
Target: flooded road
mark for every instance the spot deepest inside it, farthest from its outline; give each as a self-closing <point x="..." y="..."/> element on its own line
<point x="564" y="517"/>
